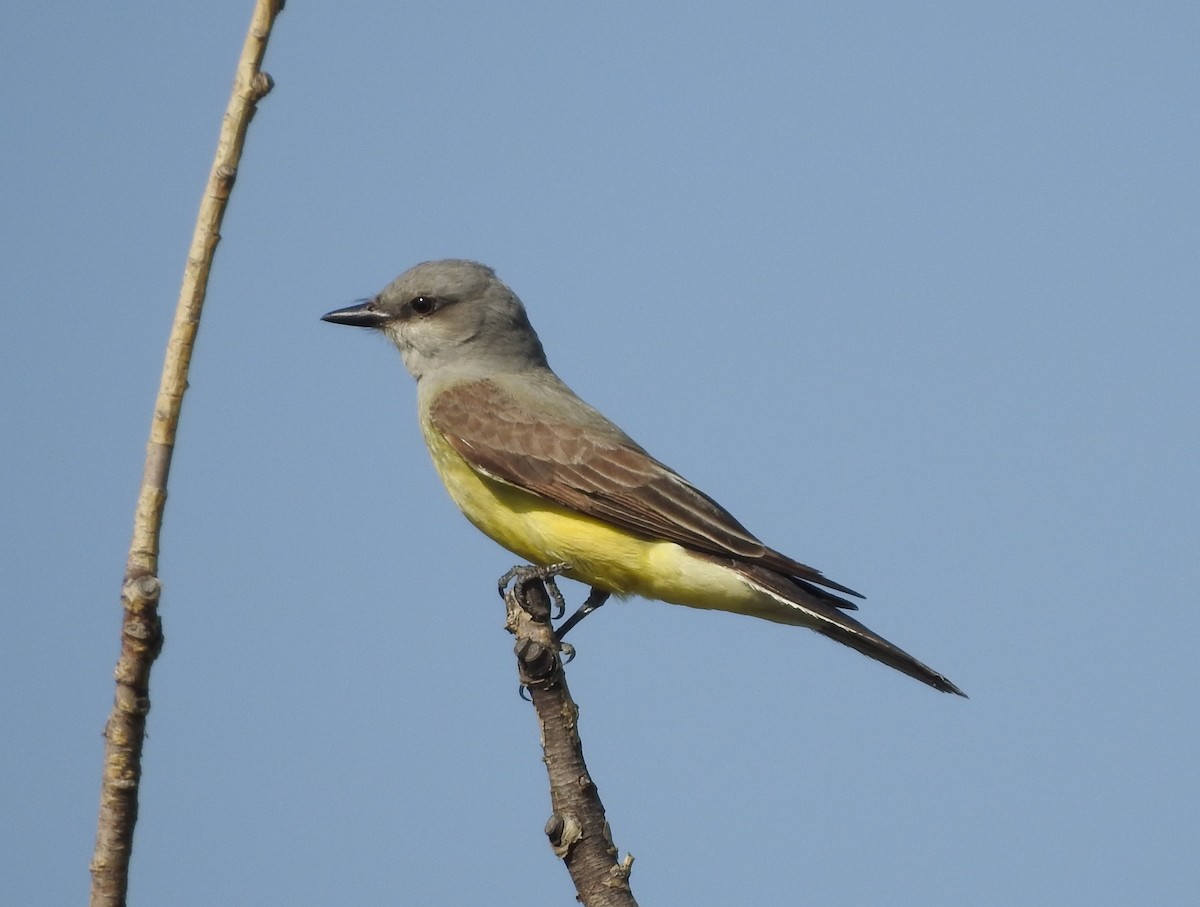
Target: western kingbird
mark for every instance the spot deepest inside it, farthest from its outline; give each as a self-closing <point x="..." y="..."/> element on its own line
<point x="552" y="480"/>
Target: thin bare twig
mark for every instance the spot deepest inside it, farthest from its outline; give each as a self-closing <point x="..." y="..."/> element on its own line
<point x="577" y="829"/>
<point x="141" y="630"/>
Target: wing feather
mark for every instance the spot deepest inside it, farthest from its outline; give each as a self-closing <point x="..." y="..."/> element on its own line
<point x="593" y="467"/>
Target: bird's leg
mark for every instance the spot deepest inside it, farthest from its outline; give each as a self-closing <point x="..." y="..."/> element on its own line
<point x="523" y="573"/>
<point x="595" y="599"/>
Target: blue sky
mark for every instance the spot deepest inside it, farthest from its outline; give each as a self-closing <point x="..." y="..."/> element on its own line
<point x="910" y="288"/>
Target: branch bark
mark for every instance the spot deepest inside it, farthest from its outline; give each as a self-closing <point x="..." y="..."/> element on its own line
<point x="141" y="629"/>
<point x="577" y="828"/>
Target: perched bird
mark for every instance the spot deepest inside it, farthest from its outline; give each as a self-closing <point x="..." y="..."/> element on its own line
<point x="551" y="479"/>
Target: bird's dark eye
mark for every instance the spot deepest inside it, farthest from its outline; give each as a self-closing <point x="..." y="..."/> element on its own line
<point x="423" y="305"/>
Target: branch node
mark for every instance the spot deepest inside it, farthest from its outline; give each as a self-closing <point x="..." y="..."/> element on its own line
<point x="136" y="705"/>
<point x="618" y="876"/>
<point x="224" y="177"/>
<point x="261" y="85"/>
<point x="141" y="591"/>
<point x="563" y="832"/>
<point x="538" y="663"/>
<point x="138" y="629"/>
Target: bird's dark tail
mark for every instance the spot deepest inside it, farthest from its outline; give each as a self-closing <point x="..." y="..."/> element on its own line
<point x="794" y="604"/>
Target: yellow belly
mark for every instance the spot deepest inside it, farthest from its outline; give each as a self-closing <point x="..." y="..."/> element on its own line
<point x="599" y="554"/>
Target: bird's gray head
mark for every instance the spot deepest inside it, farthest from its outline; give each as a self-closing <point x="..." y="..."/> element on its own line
<point x="454" y="315"/>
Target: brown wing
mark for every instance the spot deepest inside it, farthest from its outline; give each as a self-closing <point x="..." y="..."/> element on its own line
<point x="596" y="469"/>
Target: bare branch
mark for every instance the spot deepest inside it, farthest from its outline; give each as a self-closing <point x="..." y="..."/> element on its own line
<point x="577" y="828"/>
<point x="141" y="630"/>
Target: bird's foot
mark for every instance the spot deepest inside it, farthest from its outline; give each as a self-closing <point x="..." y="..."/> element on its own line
<point x="525" y="573"/>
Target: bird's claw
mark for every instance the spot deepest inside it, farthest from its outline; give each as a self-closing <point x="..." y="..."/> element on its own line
<point x="523" y="573"/>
